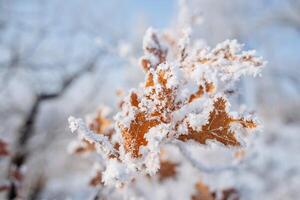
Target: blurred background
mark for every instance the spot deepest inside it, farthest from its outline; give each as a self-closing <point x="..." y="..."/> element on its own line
<point x="61" y="58"/>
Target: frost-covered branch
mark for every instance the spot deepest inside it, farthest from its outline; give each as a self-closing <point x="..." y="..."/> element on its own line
<point x="184" y="98"/>
<point x="101" y="142"/>
<point x="201" y="166"/>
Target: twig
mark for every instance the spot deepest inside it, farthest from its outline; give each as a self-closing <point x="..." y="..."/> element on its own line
<point x="202" y="167"/>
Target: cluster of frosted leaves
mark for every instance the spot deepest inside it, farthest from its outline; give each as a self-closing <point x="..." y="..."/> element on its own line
<point x="100" y="124"/>
<point x="183" y="99"/>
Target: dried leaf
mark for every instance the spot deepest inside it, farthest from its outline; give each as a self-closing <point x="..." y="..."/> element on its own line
<point x="167" y="170"/>
<point x="218" y="126"/>
<point x="134" y="136"/>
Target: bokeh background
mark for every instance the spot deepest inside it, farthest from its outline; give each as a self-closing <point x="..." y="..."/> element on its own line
<point x="61" y="58"/>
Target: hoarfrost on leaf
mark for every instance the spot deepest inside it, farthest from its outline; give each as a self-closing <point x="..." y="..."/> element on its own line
<point x="183" y="99"/>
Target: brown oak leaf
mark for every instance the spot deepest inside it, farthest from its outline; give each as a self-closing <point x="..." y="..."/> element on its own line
<point x="218" y="126"/>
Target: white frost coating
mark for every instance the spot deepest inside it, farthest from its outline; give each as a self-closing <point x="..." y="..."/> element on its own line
<point x="241" y="133"/>
<point x="115" y="174"/>
<point x="127" y="110"/>
<point x="226" y="63"/>
<point x="152" y="163"/>
<point x="101" y="142"/>
<point x="196" y="106"/>
<point x="155" y="137"/>
<point x="196" y="121"/>
<point x="184" y="41"/>
<point x="174" y="79"/>
<point x="233" y="63"/>
<point x="152" y="47"/>
<point x="237" y="128"/>
<point x="183" y="44"/>
<point x="202" y="167"/>
<point x="73" y="124"/>
<point x="148" y="40"/>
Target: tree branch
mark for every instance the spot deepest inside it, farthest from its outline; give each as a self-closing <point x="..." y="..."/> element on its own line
<point x="202" y="167"/>
<point x="27" y="129"/>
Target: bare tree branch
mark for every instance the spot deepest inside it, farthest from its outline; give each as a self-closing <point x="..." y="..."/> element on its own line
<point x="26" y="131"/>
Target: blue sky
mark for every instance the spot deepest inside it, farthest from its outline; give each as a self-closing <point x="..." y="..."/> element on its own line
<point x="156" y="12"/>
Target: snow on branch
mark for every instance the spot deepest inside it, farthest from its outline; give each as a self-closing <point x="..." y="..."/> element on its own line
<point x="101" y="142"/>
<point x="201" y="166"/>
